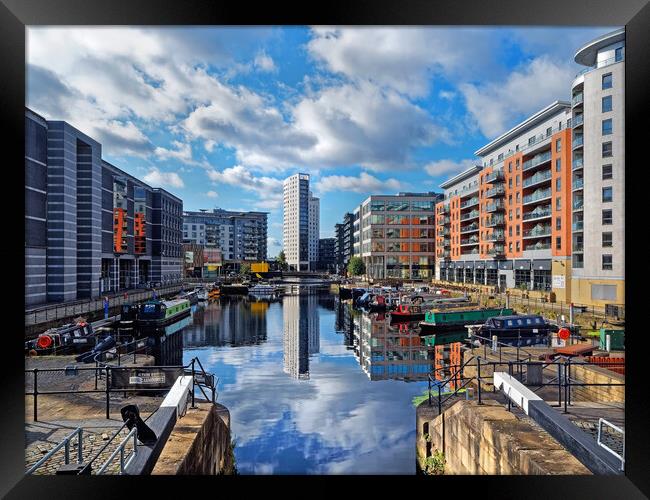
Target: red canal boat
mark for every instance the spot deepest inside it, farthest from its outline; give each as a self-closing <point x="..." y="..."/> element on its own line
<point x="406" y="312"/>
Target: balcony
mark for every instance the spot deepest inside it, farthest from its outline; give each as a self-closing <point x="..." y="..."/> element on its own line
<point x="578" y="204"/>
<point x="446" y="254"/>
<point x="471" y="215"/>
<point x="538" y="178"/>
<point x="538" y="232"/>
<point x="496" y="236"/>
<point x="495" y="206"/>
<point x="496" y="176"/>
<point x="497" y="191"/>
<point x="495" y="221"/>
<point x="538" y="213"/>
<point x="578" y="162"/>
<point x="469" y="203"/>
<point x="497" y="250"/>
<point x="540" y="194"/>
<point x="446" y="243"/>
<point x="578" y="226"/>
<point x="443" y="231"/>
<point x="536" y="161"/>
<point x="577" y="99"/>
<point x="469" y="229"/>
<point x="446" y="220"/>
<point x="578" y="141"/>
<point x="538" y="246"/>
<point x="578" y="247"/>
<point x="469" y="241"/>
<point x="577" y="184"/>
<point x="473" y="251"/>
<point x="578" y="120"/>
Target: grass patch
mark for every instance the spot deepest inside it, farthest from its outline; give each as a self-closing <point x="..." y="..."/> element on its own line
<point x="417" y="400"/>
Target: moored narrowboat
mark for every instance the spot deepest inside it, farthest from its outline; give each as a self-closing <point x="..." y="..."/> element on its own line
<point x="162" y="312"/>
<point x="406" y="312"/>
<point x="514" y="326"/>
<point x="450" y="320"/>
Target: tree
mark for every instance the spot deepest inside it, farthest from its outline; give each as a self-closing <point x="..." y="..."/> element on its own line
<point x="356" y="267"/>
<point x="245" y="269"/>
<point x="282" y="260"/>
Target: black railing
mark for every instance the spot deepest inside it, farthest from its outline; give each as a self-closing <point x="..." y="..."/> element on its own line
<point x="206" y="380"/>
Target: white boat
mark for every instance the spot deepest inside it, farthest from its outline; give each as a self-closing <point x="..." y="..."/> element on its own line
<point x="202" y="294"/>
<point x="262" y="289"/>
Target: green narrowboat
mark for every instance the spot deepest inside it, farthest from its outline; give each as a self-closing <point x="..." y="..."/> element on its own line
<point x="444" y="338"/>
<point x="445" y="320"/>
<point x="162" y="312"/>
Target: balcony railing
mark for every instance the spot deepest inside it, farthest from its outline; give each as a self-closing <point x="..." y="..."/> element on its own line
<point x="470" y="215"/>
<point x="469" y="203"/>
<point x="496" y="236"/>
<point x="601" y="64"/>
<point x="538" y="214"/>
<point x="496" y="250"/>
<point x="473" y="251"/>
<point x="537" y="232"/>
<point x="578" y="120"/>
<point x="578" y="225"/>
<point x="497" y="191"/>
<point x="578" y="247"/>
<point x="537" y="195"/>
<point x="446" y="220"/>
<point x="536" y="160"/>
<point x="537" y="178"/>
<point x="446" y="242"/>
<point x="577" y="99"/>
<point x="469" y="229"/>
<point x="495" y="206"/>
<point x="538" y="246"/>
<point x="496" y="176"/>
<point x="469" y="241"/>
<point x="443" y="209"/>
<point x="578" y="183"/>
<point x="443" y="231"/>
<point x="578" y="163"/>
<point x="446" y="253"/>
<point x="495" y="221"/>
<point x="578" y="204"/>
<point x="578" y="141"/>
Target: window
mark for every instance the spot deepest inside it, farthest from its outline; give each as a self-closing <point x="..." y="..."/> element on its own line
<point x="558" y="243"/>
<point x="517" y="181"/>
<point x="568" y="123"/>
<point x="500" y="157"/>
<point x="518" y="196"/>
<point x="531" y="140"/>
<point x="607" y="262"/>
<point x="517" y="164"/>
<point x="558" y="203"/>
<point x="510" y="231"/>
<point x="607" y="104"/>
<point x="607" y="217"/>
<point x="518" y="231"/>
<point x="607" y="126"/>
<point x="517" y="148"/>
<point x="618" y="54"/>
<point x="607" y="194"/>
<point x="558" y="145"/>
<point x="558" y="165"/>
<point x="558" y="183"/>
<point x="510" y="182"/>
<point x="607" y="239"/>
<point x="558" y="223"/>
<point x="607" y="81"/>
<point x="548" y="131"/>
<point x="607" y="172"/>
<point x="607" y="149"/>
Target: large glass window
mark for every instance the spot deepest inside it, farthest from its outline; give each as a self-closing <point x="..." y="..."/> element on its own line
<point x="377" y="206"/>
<point x="522" y="278"/>
<point x="377" y="219"/>
<point x="607" y="81"/>
<point x="397" y="205"/>
<point x="492" y="276"/>
<point x="542" y="279"/>
<point x="421" y="205"/>
<point x="606" y="104"/>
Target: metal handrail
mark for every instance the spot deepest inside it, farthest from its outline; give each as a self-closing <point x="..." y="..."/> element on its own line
<point x="621" y="457"/>
<point x="120" y="449"/>
<point x="64" y="443"/>
<point x="445" y="382"/>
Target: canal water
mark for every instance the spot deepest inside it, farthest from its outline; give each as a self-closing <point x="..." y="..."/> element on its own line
<point x="312" y="386"/>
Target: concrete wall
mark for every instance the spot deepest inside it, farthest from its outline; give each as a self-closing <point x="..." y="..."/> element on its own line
<point x="199" y="443"/>
<point x="596" y="375"/>
<point x="487" y="439"/>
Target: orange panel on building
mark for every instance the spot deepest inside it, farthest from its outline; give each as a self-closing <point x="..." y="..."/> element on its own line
<point x="565" y="194"/>
<point x="119" y="230"/>
<point x="513" y="204"/>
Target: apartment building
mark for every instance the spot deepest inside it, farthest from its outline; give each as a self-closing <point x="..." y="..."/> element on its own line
<point x="598" y="107"/>
<point x="301" y="226"/>
<point x="90" y="227"/>
<point x="507" y="221"/>
<point x="240" y="236"/>
<point x="394" y="235"/>
<point x="343" y="243"/>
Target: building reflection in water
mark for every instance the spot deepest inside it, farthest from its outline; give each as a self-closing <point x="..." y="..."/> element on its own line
<point x="301" y="333"/>
<point x="235" y="321"/>
<point x="396" y="351"/>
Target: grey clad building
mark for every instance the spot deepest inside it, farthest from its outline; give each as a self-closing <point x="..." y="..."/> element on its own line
<point x="91" y="228"/>
<point x="343" y="243"/>
<point x="240" y="236"/>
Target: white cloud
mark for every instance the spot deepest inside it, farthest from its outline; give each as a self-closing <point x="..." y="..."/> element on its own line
<point x="212" y="194"/>
<point x="163" y="179"/>
<point x="364" y="183"/>
<point x="449" y="168"/>
<point x="264" y="62"/>
<point x="496" y="106"/>
<point x="182" y="152"/>
<point x="404" y="58"/>
<point x="268" y="189"/>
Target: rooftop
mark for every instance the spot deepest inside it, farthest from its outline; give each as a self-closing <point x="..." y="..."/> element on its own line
<point x="588" y="54"/>
<point x="465" y="174"/>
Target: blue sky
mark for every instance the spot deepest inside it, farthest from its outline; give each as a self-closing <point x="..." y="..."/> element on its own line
<point x="219" y="116"/>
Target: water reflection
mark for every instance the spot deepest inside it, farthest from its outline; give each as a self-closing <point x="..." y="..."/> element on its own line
<point x="301" y="333"/>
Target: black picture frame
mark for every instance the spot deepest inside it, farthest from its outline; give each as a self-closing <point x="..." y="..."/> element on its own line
<point x="16" y="14"/>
